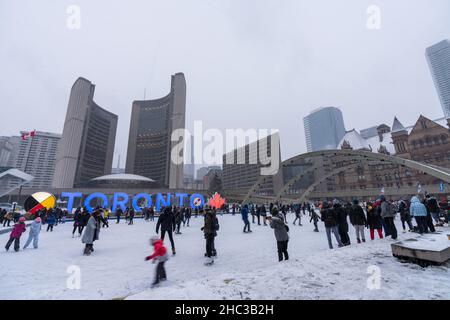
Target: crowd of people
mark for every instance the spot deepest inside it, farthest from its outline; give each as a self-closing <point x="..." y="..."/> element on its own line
<point x="378" y="216"/>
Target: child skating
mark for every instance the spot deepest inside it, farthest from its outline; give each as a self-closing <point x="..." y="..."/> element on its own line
<point x="159" y="255"/>
<point x="35" y="229"/>
<point x="16" y="233"/>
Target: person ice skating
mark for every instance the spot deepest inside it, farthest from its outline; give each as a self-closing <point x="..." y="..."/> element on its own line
<point x="434" y="210"/>
<point x="119" y="213"/>
<point x="160" y="256"/>
<point x="51" y="219"/>
<point x="187" y="216"/>
<point x="244" y="214"/>
<point x="419" y="212"/>
<point x="264" y="214"/>
<point x="77" y="222"/>
<point x="91" y="233"/>
<point x="35" y="230"/>
<point x="166" y="221"/>
<point x="314" y="218"/>
<point x="7" y="218"/>
<point x="358" y="220"/>
<point x="388" y="213"/>
<point x="341" y="215"/>
<point x="374" y="221"/>
<point x="405" y="216"/>
<point x="131" y="214"/>
<point x="258" y="214"/>
<point x="178" y="220"/>
<point x="210" y="228"/>
<point x="15" y="235"/>
<point x="298" y="215"/>
<point x="105" y="217"/>
<point x="329" y="217"/>
<point x="151" y="214"/>
<point x="276" y="222"/>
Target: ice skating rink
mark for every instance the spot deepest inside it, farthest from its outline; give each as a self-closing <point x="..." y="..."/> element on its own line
<point x="246" y="267"/>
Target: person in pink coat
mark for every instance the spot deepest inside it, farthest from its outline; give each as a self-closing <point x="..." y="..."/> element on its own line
<point x="15" y="235"/>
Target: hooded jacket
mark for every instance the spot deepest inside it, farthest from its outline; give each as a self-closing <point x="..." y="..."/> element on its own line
<point x="417" y="208"/>
<point x="159" y="252"/>
<point x="17" y="230"/>
<point x="35" y="228"/>
<point x="279" y="228"/>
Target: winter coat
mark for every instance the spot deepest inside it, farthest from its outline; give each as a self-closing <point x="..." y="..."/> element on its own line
<point x="35" y="228"/>
<point x="166" y="220"/>
<point x="85" y="218"/>
<point x="386" y="211"/>
<point x="279" y="228"/>
<point x="159" y="252"/>
<point x="51" y="219"/>
<point x="77" y="219"/>
<point x="357" y="216"/>
<point x="432" y="205"/>
<point x="341" y="215"/>
<point x="17" y="230"/>
<point x="417" y="208"/>
<point x="211" y="223"/>
<point x="244" y="213"/>
<point x="178" y="217"/>
<point x="329" y="217"/>
<point x="373" y="218"/>
<point x="91" y="232"/>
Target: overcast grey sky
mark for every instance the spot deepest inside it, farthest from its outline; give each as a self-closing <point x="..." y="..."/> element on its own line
<point x="248" y="63"/>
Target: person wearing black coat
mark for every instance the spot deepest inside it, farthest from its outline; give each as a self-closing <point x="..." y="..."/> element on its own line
<point x="178" y="220"/>
<point x="119" y="213"/>
<point x="330" y="219"/>
<point x="166" y="221"/>
<point x="374" y="221"/>
<point x="341" y="215"/>
<point x="187" y="216"/>
<point x="77" y="222"/>
<point x="405" y="215"/>
<point x="358" y="220"/>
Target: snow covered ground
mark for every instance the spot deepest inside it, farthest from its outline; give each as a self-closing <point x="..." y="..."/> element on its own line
<point x="246" y="267"/>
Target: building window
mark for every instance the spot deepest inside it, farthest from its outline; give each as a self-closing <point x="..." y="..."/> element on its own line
<point x="424" y="124"/>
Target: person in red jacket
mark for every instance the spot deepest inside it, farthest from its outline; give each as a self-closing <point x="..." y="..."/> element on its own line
<point x="16" y="233"/>
<point x="160" y="255"/>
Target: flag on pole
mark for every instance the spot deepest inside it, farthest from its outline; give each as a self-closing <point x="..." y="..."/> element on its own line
<point x="26" y="135"/>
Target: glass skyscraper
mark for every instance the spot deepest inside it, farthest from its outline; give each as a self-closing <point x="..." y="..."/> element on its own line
<point x="324" y="129"/>
<point x="438" y="57"/>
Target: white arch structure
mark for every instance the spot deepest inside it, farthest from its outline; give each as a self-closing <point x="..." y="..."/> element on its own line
<point x="354" y="156"/>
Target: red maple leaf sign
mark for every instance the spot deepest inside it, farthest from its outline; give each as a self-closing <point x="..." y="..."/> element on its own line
<point x="216" y="201"/>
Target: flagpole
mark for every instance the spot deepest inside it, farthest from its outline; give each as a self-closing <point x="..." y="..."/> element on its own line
<point x="25" y="170"/>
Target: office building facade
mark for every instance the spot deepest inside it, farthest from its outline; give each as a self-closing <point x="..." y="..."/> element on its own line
<point x="324" y="129"/>
<point x="87" y="144"/>
<point x="149" y="142"/>
<point x="438" y="57"/>
<point x="37" y="156"/>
